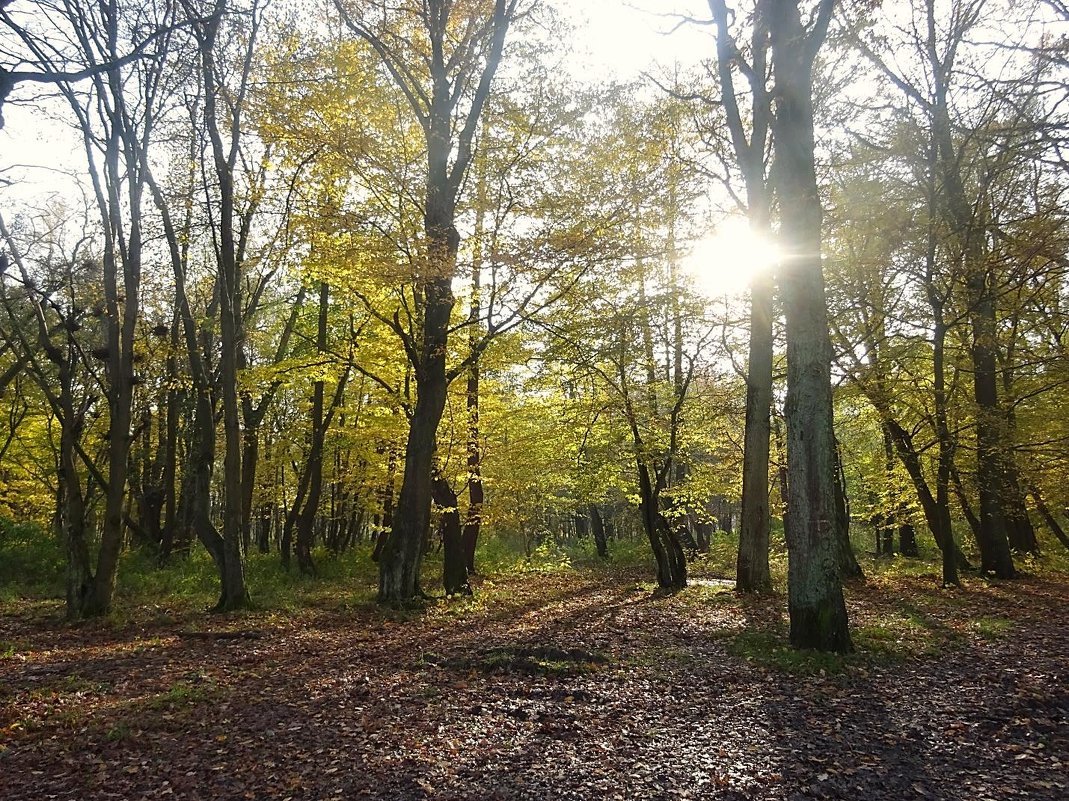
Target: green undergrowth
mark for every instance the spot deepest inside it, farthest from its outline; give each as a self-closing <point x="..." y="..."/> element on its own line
<point x="32" y="562"/>
<point x="192" y="583"/>
<point x="32" y="570"/>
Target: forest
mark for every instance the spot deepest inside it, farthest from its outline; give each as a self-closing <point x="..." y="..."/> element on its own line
<point x="403" y="399"/>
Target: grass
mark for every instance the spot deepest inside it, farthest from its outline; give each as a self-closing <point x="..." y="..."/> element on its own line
<point x="771" y="650"/>
<point x="31" y="569"/>
<point x="547" y="661"/>
<point x="183" y="694"/>
<point x="32" y="562"/>
<point x="992" y="628"/>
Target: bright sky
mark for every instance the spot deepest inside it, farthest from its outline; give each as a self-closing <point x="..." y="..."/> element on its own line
<point x="617" y="39"/>
<point x="622" y="39"/>
<point x="625" y="38"/>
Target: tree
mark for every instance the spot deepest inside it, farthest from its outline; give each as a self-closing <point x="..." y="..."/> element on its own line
<point x="129" y="87"/>
<point x="815" y="598"/>
<point x="446" y="92"/>
<point x="750" y="142"/>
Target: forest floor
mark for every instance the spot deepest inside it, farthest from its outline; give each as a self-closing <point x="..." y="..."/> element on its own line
<point x="579" y="684"/>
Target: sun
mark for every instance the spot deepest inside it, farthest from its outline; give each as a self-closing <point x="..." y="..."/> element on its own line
<point x="728" y="258"/>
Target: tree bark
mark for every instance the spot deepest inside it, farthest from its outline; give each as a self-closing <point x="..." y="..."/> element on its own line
<point x="968" y="236"/>
<point x="454" y="572"/>
<point x="597" y="526"/>
<point x="816" y="605"/>
<point x="1051" y="521"/>
<point x="436" y="107"/>
<point x="752" y="571"/>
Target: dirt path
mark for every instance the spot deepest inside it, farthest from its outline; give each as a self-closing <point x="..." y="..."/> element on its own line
<point x="578" y="686"/>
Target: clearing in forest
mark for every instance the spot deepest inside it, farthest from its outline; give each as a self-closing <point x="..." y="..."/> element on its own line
<point x="572" y="685"/>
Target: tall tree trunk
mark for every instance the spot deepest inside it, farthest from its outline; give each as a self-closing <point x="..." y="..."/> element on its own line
<point x="463" y="53"/>
<point x="816" y="605"/>
<point x="886" y="518"/>
<point x="1019" y="528"/>
<point x="968" y="234"/>
<point x="235" y="594"/>
<point x="476" y="493"/>
<point x="386" y="521"/>
<point x="170" y="467"/>
<point x="314" y="468"/>
<point x="71" y="502"/>
<point x="402" y="553"/>
<point x="307" y="517"/>
<point x="848" y="565"/>
<point x="937" y="517"/>
<point x="752" y="571"/>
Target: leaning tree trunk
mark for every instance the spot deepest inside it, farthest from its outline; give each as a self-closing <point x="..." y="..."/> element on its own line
<point x="815" y="598"/>
<point x="1051" y="521"/>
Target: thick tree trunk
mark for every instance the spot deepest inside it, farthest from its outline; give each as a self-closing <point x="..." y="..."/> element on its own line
<point x="947" y="546"/>
<point x="995" y="557"/>
<point x="1019" y="528"/>
<point x="816" y="605"/>
<point x="402" y="554"/>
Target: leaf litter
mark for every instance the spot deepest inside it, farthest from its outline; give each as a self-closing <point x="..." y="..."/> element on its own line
<point x="580" y="685"/>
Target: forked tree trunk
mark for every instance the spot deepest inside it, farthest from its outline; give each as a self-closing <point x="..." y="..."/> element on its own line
<point x="667" y="549"/>
<point x="454" y="572"/>
<point x="449" y="137"/>
<point x="968" y="236"/>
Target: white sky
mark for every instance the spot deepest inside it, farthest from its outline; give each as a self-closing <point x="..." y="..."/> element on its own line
<point x="615" y="40"/>
<point x="625" y="38"/>
<point x="622" y="39"/>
